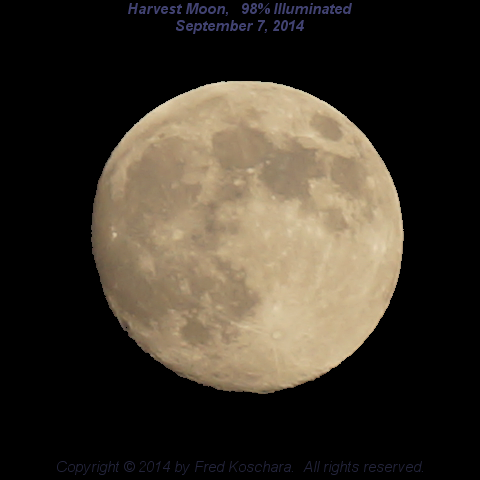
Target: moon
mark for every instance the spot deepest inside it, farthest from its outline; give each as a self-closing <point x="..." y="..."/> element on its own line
<point x="247" y="235"/>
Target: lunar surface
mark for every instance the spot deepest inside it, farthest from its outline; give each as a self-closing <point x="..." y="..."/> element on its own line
<point x="247" y="235"/>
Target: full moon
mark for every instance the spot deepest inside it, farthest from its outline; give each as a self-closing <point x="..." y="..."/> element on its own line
<point x="247" y="235"/>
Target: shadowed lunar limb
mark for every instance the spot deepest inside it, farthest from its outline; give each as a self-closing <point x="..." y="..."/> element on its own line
<point x="247" y="235"/>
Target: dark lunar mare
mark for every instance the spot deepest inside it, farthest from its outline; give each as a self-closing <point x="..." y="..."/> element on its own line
<point x="155" y="190"/>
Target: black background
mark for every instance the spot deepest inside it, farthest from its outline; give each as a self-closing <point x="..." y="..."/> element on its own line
<point x="108" y="400"/>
